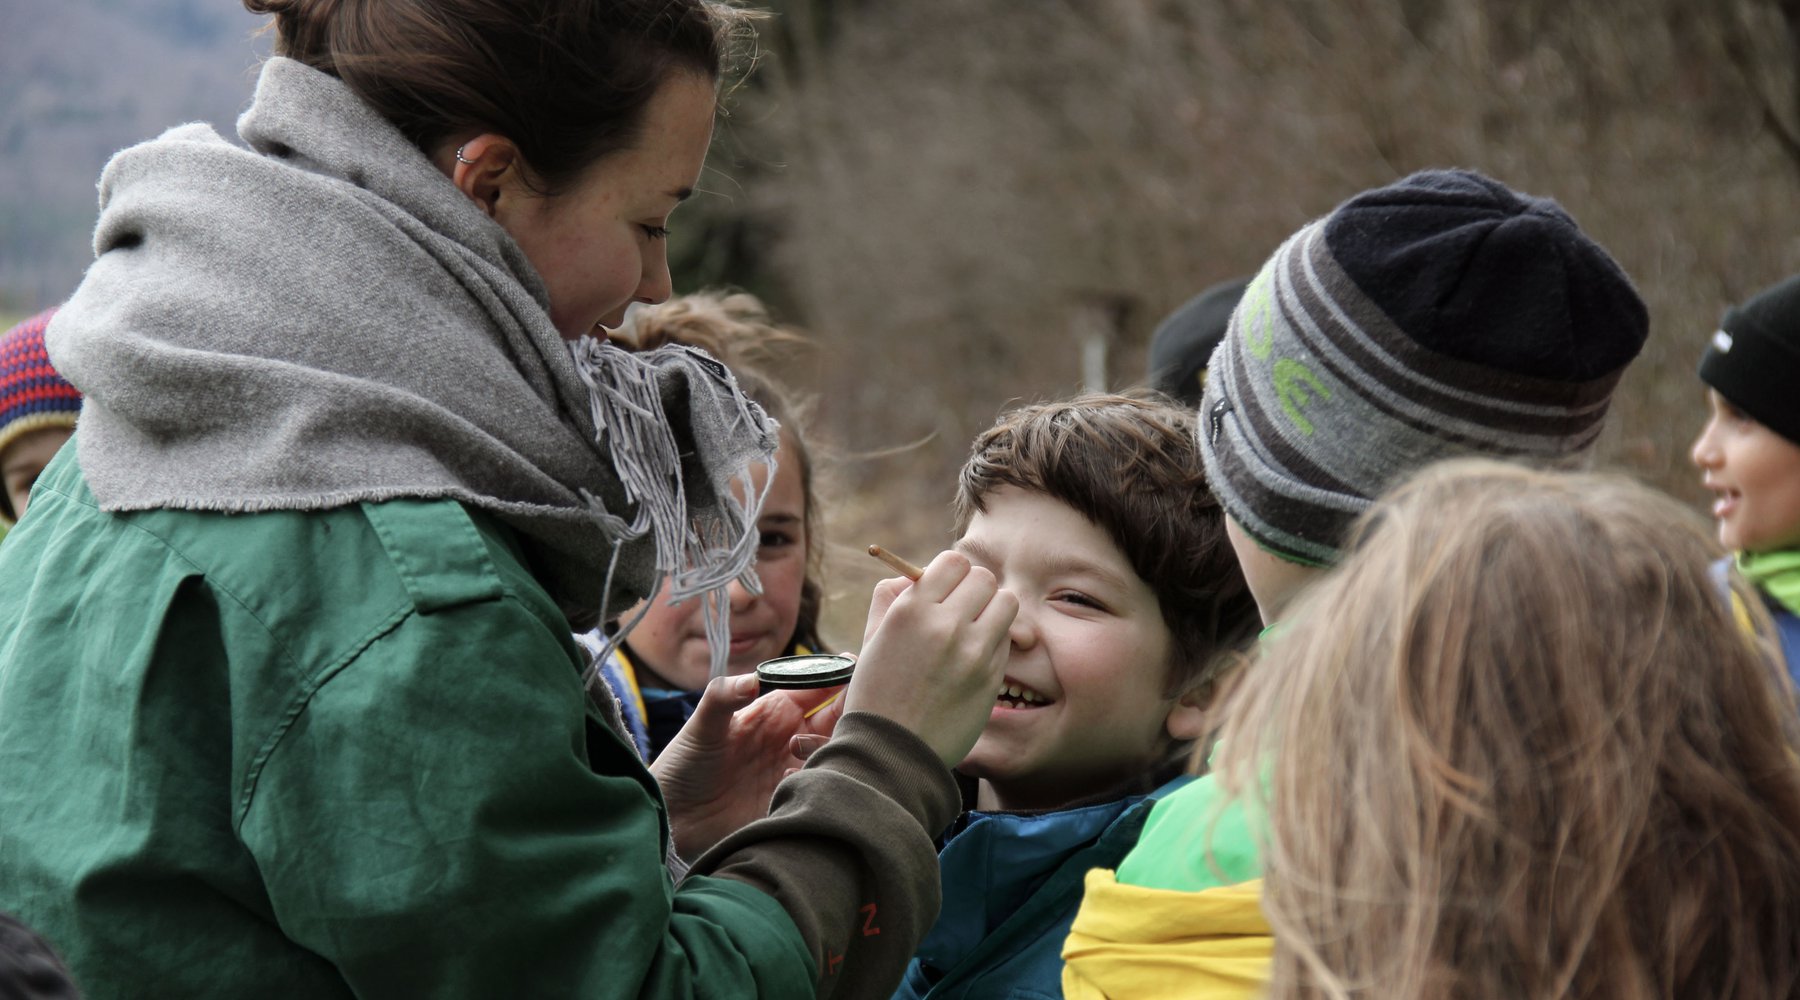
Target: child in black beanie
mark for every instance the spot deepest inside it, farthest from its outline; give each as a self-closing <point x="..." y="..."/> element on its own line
<point x="1749" y="451"/>
<point x="1183" y="341"/>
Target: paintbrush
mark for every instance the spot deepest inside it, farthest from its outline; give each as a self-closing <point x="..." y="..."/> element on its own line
<point x="896" y="563"/>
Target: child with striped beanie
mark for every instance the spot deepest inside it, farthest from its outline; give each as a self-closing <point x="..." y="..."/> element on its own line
<point x="1443" y="315"/>
<point x="37" y="412"/>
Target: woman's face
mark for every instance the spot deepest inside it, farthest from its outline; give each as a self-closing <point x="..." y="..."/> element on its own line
<point x="671" y="638"/>
<point x="599" y="245"/>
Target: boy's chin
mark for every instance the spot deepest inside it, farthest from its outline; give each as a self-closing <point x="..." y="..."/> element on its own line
<point x="1032" y="792"/>
<point x="979" y="765"/>
<point x="999" y="765"/>
<point x="1017" y="779"/>
<point x="1016" y="776"/>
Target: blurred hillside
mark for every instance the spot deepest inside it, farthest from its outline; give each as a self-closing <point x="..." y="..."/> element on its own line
<point x="82" y="79"/>
<point x="977" y="203"/>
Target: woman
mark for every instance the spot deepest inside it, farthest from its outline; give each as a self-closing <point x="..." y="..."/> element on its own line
<point x="289" y="700"/>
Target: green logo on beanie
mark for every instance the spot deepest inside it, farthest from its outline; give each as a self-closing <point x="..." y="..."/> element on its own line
<point x="1259" y="325"/>
<point x="1292" y="381"/>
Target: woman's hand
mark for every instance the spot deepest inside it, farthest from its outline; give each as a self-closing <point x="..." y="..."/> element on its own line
<point x="721" y="769"/>
<point x="934" y="652"/>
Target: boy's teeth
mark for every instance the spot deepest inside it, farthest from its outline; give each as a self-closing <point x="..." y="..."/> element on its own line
<point x="1018" y="693"/>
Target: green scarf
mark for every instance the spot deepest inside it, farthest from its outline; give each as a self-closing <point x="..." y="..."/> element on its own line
<point x="1774" y="573"/>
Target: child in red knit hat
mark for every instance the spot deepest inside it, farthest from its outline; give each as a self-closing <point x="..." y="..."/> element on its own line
<point x="37" y="412"/>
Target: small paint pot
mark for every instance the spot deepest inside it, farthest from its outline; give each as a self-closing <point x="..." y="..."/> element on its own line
<point x="815" y="670"/>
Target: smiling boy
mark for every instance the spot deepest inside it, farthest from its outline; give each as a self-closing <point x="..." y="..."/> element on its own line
<point x="1747" y="452"/>
<point x="1094" y="513"/>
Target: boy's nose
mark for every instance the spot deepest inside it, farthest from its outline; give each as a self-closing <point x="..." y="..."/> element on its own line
<point x="1023" y="631"/>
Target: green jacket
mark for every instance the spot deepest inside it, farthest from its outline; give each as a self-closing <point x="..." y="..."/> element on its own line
<point x="1182" y="916"/>
<point x="349" y="753"/>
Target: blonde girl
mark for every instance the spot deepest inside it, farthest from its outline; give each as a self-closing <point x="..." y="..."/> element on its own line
<point x="1517" y="747"/>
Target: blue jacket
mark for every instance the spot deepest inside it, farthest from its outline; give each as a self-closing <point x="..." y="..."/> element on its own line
<point x="653" y="716"/>
<point x="1012" y="884"/>
<point x="1787" y="624"/>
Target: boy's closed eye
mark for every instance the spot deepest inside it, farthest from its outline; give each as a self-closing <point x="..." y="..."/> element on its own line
<point x="1079" y="599"/>
<point x="1075" y="583"/>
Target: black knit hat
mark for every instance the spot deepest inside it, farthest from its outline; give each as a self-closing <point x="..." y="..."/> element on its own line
<point x="1754" y="358"/>
<point x="1185" y="340"/>
<point x="1442" y="315"/>
<point x="1474" y="270"/>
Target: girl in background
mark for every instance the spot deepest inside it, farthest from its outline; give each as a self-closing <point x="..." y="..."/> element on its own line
<point x="1517" y="747"/>
<point x="660" y="670"/>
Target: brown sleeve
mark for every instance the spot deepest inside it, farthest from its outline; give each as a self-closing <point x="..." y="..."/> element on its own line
<point x="848" y="850"/>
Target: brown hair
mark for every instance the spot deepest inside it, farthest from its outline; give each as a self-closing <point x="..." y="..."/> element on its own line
<point x="565" y="80"/>
<point x="1130" y="464"/>
<point x="735" y="328"/>
<point x="1517" y="746"/>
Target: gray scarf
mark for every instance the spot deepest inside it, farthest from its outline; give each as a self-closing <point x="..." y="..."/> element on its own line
<point x="323" y="319"/>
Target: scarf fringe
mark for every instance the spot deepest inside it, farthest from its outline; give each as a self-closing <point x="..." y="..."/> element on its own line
<point x="698" y="558"/>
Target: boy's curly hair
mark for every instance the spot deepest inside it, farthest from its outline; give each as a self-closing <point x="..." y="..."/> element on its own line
<point x="1130" y="464"/>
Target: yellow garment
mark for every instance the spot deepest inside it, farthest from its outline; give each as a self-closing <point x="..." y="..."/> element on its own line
<point x="1742" y="615"/>
<point x="629" y="670"/>
<point x="1129" y="942"/>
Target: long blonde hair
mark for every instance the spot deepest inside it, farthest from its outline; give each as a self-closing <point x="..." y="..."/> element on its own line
<point x="1516" y="746"/>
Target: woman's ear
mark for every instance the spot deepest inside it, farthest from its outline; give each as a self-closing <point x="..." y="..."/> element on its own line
<point x="486" y="168"/>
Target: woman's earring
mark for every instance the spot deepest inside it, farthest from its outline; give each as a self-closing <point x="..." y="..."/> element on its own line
<point x="459" y="155"/>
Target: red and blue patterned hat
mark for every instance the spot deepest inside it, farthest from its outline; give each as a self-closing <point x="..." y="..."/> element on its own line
<point x="32" y="394"/>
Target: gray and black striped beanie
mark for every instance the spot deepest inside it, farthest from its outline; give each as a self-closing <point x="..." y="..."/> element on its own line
<point x="1442" y="315"/>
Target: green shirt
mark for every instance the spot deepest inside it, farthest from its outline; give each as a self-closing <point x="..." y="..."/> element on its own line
<point x="1196" y="838"/>
<point x="328" y="754"/>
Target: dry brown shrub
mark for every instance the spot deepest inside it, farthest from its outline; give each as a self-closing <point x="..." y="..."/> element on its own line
<point x="963" y="188"/>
